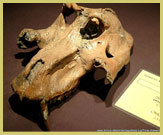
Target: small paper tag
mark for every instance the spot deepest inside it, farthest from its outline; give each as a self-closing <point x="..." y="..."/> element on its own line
<point x="142" y="98"/>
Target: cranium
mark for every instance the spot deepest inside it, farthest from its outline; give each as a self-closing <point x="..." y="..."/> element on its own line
<point x="95" y="39"/>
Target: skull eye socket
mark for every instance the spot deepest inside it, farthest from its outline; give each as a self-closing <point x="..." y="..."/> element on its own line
<point x="93" y="29"/>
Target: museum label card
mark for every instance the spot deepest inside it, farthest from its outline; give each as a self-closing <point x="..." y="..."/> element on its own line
<point x="142" y="98"/>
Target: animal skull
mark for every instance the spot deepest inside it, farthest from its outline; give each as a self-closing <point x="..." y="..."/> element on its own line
<point x="96" y="39"/>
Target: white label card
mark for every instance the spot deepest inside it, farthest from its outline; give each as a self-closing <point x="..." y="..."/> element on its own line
<point x="142" y="98"/>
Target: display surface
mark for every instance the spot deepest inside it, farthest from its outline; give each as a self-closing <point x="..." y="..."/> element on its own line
<point x="95" y="39"/>
<point x="93" y="97"/>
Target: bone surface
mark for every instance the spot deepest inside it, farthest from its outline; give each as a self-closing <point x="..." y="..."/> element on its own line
<point x="95" y="39"/>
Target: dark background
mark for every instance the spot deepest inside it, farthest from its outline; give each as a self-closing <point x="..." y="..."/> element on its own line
<point x="90" y="108"/>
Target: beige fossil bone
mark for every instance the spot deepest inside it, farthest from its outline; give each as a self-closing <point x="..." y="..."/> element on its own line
<point x="95" y="39"/>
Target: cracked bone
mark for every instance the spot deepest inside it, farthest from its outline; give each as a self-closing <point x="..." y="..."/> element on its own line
<point x="69" y="51"/>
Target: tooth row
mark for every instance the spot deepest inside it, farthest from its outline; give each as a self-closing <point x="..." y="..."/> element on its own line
<point x="63" y="96"/>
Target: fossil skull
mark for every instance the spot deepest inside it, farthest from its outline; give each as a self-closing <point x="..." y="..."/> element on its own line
<point x="95" y="39"/>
